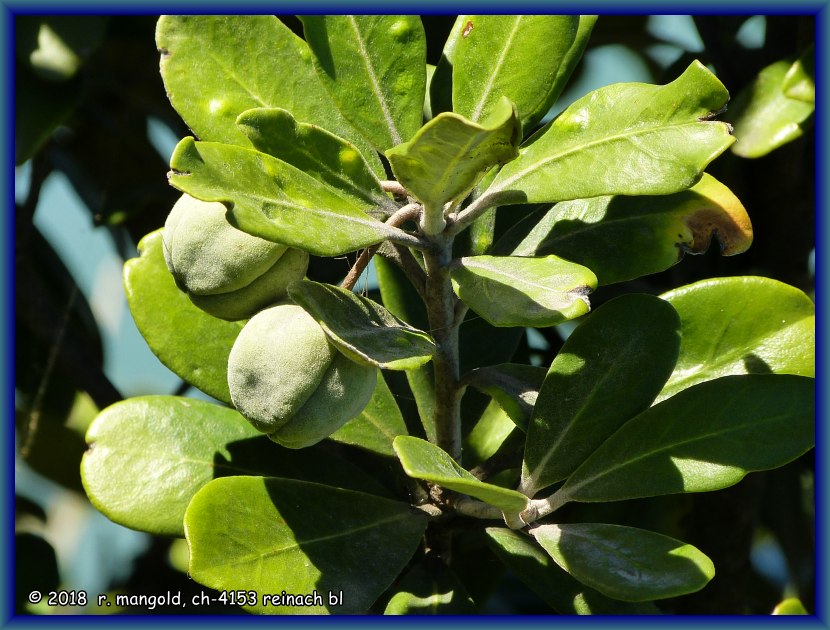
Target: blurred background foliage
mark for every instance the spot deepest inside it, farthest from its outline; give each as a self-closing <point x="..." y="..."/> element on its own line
<point x="93" y="133"/>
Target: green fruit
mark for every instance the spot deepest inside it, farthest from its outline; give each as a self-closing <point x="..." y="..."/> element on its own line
<point x="290" y="382"/>
<point x="226" y="272"/>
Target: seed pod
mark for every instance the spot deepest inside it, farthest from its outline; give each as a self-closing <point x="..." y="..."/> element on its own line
<point x="290" y="382"/>
<point x="226" y="272"/>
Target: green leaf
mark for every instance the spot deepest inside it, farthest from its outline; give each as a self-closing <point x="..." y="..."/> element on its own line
<point x="633" y="138"/>
<point x="276" y="536"/>
<point x="272" y="199"/>
<point x="626" y="563"/>
<point x="430" y="588"/>
<point x="610" y="369"/>
<point x="800" y="80"/>
<point x="487" y="435"/>
<point x="741" y="325"/>
<point x="423" y="460"/>
<point x="707" y="437"/>
<point x="193" y="344"/>
<point x="514" y="291"/>
<point x="450" y="154"/>
<point x="622" y="238"/>
<point x="317" y="152"/>
<point x="518" y="56"/>
<point x="377" y="426"/>
<point x="790" y="606"/>
<point x="374" y="67"/>
<point x="764" y="117"/>
<point x="362" y="329"/>
<point x="149" y="455"/>
<point x="514" y="386"/>
<point x="559" y="589"/>
<point x="215" y="67"/>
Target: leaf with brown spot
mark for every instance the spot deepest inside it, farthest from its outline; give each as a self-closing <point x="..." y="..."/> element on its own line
<point x="621" y="238"/>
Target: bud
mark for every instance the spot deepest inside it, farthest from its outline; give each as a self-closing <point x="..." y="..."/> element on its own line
<point x="226" y="272"/>
<point x="290" y="382"/>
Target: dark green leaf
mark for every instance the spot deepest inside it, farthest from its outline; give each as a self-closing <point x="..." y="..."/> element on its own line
<point x="518" y="56"/>
<point x="379" y="423"/>
<point x="217" y="66"/>
<point x="276" y="536"/>
<point x="633" y="138"/>
<point x="430" y="588"/>
<point x="423" y="460"/>
<point x="317" y="152"/>
<point x="272" y="199"/>
<point x="450" y="154"/>
<point x="149" y="455"/>
<point x="561" y="591"/>
<point x="362" y="329"/>
<point x="187" y="340"/>
<point x="621" y="238"/>
<point x="35" y="569"/>
<point x="515" y="291"/>
<point x="764" y="117"/>
<point x="374" y="67"/>
<point x="741" y="325"/>
<point x="704" y="438"/>
<point x="514" y="386"/>
<point x="609" y="370"/>
<point x="626" y="563"/>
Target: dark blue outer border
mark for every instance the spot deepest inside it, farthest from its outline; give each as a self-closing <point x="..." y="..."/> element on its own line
<point x="8" y="9"/>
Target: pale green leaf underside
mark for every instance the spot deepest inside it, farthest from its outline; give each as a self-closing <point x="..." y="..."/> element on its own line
<point x="423" y="460"/>
<point x="517" y="56"/>
<point x="800" y="80"/>
<point x="375" y="69"/>
<point x="626" y="563"/>
<point x="193" y="344"/>
<point x="269" y="534"/>
<point x="514" y="386"/>
<point x="560" y="590"/>
<point x="215" y="67"/>
<point x="707" y="437"/>
<point x="149" y="455"/>
<point x="764" y="117"/>
<point x="626" y="138"/>
<point x="622" y="238"/>
<point x="362" y="329"/>
<point x="317" y="152"/>
<point x="515" y="291"/>
<point x="609" y="369"/>
<point x="450" y="154"/>
<point x="741" y="325"/>
<point x="272" y="199"/>
<point x="378" y="424"/>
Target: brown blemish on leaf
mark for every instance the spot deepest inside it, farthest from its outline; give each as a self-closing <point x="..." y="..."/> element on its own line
<point x="468" y="28"/>
<point x="733" y="230"/>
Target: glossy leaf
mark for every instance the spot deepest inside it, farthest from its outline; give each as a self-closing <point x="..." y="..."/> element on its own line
<point x="423" y="460"/>
<point x="430" y="588"/>
<point x="764" y="117"/>
<point x="374" y="67"/>
<point x="514" y="291"/>
<point x="800" y="80"/>
<point x="450" y="154"/>
<point x="362" y="329"/>
<point x="626" y="563"/>
<point x="215" y="67"/>
<point x="518" y="56"/>
<point x="273" y="535"/>
<point x="317" y="152"/>
<point x="377" y="426"/>
<point x="514" y="386"/>
<point x="561" y="591"/>
<point x="622" y="238"/>
<point x="272" y="199"/>
<point x="633" y="138"/>
<point x="790" y="606"/>
<point x="187" y="340"/>
<point x="741" y="325"/>
<point x="149" y="455"/>
<point x="610" y="369"/>
<point x="487" y="435"/>
<point x="704" y="438"/>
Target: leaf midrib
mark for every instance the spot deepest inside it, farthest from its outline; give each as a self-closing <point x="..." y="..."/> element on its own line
<point x="499" y="63"/>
